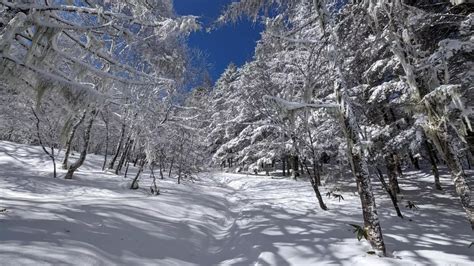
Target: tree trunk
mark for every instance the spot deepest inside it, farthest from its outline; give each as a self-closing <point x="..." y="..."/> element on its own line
<point x="124" y="155"/>
<point x="179" y="173"/>
<point x="171" y="167"/>
<point x="54" y="163"/>
<point x="369" y="209"/>
<point x="288" y="165"/>
<point x="390" y="193"/>
<point x="364" y="184"/>
<point x="314" y="184"/>
<point x="134" y="184"/>
<point x="316" y="170"/>
<point x="294" y="166"/>
<point x="434" y="167"/>
<point x="70" y="139"/>
<point x="414" y="161"/>
<point x="283" y="165"/>
<point x="392" y="173"/>
<point x="119" y="147"/>
<point x="51" y="153"/>
<point x="161" y="167"/>
<point x="87" y="136"/>
<point x="106" y="141"/>
<point x="127" y="164"/>
<point x="468" y="159"/>
<point x="154" y="188"/>
<point x="457" y="174"/>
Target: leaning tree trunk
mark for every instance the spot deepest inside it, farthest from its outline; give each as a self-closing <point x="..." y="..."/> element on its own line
<point x="364" y="184"/>
<point x="392" y="196"/>
<point x="70" y="139"/>
<point x="369" y="209"/>
<point x="134" y="184"/>
<point x="119" y="147"/>
<point x="457" y="174"/>
<point x="313" y="178"/>
<point x="87" y="136"/>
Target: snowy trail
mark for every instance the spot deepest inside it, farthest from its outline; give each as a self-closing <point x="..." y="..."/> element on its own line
<point x="222" y="219"/>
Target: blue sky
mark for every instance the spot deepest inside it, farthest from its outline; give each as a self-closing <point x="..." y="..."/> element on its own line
<point x="229" y="43"/>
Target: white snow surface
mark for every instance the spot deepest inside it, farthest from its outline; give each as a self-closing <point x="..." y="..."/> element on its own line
<point x="221" y="219"/>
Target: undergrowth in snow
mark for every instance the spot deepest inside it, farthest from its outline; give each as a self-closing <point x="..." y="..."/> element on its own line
<point x="221" y="218"/>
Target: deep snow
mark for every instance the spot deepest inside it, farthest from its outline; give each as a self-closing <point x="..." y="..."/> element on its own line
<point x="229" y="219"/>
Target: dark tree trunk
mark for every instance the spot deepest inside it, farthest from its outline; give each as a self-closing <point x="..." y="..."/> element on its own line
<point x="288" y="165"/>
<point x="119" y="147"/>
<point x="392" y="173"/>
<point x="316" y="170"/>
<point x="106" y="141"/>
<point x="283" y="165"/>
<point x="161" y="167"/>
<point x="87" y="133"/>
<point x="468" y="160"/>
<point x="154" y="188"/>
<point x="414" y="161"/>
<point x="314" y="184"/>
<point x="434" y="166"/>
<point x="127" y="164"/>
<point x="390" y="193"/>
<point x="125" y="153"/>
<point x="171" y="167"/>
<point x="70" y="139"/>
<point x="457" y="174"/>
<point x="54" y="162"/>
<point x="134" y="184"/>
<point x="40" y="140"/>
<point x="294" y="166"/>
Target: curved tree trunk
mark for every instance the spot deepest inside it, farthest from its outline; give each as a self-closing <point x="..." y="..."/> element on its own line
<point x="134" y="184"/>
<point x="70" y="139"/>
<point x="49" y="153"/>
<point x="87" y="134"/>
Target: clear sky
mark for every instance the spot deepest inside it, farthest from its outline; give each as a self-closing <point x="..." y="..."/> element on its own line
<point x="229" y="43"/>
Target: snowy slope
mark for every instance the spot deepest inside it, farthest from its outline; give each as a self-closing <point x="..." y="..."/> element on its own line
<point x="226" y="219"/>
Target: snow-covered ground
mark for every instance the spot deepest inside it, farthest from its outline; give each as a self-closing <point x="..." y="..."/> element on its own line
<point x="228" y="219"/>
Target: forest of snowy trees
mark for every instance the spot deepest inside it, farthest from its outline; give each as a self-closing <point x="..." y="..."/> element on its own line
<point x="366" y="87"/>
